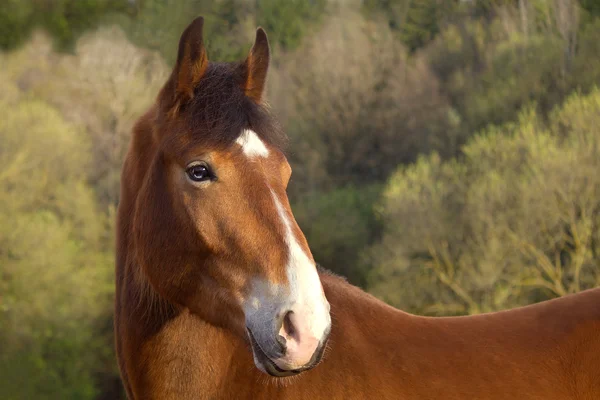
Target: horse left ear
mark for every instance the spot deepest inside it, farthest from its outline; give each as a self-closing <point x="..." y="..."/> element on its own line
<point x="256" y="66"/>
<point x="190" y="67"/>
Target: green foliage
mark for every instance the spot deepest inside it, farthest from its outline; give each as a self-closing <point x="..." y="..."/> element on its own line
<point x="102" y="88"/>
<point x="585" y="67"/>
<point x="15" y="17"/>
<point x="420" y="23"/>
<point x="229" y="24"/>
<point x="516" y="221"/>
<point x="52" y="234"/>
<point x="157" y="24"/>
<point x="415" y="22"/>
<point x="338" y="225"/>
<point x="529" y="51"/>
<point x="65" y="20"/>
<point x="289" y="20"/>
<point x="125" y="82"/>
<point x="367" y="108"/>
<point x="591" y="6"/>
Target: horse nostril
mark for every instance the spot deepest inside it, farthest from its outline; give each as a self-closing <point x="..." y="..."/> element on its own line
<point x="288" y="330"/>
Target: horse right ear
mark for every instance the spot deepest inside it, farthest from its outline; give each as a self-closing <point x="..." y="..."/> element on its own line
<point x="191" y="65"/>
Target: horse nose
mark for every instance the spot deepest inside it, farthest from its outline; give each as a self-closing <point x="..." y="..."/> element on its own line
<point x="287" y="330"/>
<point x="298" y="341"/>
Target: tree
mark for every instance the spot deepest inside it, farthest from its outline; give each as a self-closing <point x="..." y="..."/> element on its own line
<point x="354" y="107"/>
<point x="55" y="267"/>
<point x="416" y="22"/>
<point x="288" y="21"/>
<point x="65" y="20"/>
<point x="516" y="221"/>
<point x="358" y="105"/>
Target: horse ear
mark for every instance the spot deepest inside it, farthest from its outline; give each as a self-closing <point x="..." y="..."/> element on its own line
<point x="191" y="65"/>
<point x="256" y="67"/>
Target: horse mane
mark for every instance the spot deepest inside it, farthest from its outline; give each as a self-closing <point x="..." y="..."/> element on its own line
<point x="220" y="110"/>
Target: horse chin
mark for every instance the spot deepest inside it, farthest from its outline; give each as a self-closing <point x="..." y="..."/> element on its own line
<point x="268" y="366"/>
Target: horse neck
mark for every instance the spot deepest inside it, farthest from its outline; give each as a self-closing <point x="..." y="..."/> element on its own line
<point x="368" y="318"/>
<point x="355" y="303"/>
<point x="135" y="297"/>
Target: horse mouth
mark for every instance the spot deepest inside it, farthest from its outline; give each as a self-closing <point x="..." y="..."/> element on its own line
<point x="267" y="365"/>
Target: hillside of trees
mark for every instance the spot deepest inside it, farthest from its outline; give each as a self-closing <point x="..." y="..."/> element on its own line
<point x="445" y="155"/>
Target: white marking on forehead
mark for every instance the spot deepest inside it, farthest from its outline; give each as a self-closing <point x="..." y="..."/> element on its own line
<point x="252" y="146"/>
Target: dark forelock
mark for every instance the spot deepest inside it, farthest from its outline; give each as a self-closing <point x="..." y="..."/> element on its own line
<point x="220" y="110"/>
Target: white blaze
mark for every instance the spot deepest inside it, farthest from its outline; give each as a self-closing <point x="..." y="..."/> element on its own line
<point x="304" y="294"/>
<point x="252" y="146"/>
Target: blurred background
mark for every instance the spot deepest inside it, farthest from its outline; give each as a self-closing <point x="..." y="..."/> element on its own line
<point x="445" y="155"/>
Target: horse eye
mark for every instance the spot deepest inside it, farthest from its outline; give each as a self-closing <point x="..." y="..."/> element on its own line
<point x="199" y="173"/>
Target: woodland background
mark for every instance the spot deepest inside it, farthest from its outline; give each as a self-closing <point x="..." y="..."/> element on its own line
<point x="445" y="155"/>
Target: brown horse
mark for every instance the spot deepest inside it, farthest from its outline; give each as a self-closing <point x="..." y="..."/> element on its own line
<point x="218" y="296"/>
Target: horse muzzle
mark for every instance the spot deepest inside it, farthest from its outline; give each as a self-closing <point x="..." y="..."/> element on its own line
<point x="280" y="363"/>
<point x="288" y="334"/>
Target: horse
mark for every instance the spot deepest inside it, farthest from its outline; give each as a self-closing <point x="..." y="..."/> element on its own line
<point x="218" y="295"/>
